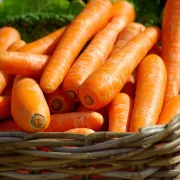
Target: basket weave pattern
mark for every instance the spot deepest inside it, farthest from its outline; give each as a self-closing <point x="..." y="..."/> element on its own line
<point x="152" y="154"/>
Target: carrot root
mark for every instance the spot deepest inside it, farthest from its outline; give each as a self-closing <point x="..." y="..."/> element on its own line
<point x="105" y="83"/>
<point x="89" y="22"/>
<point x="150" y="90"/>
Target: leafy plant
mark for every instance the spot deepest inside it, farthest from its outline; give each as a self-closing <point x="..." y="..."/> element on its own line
<point x="36" y="18"/>
<point x="148" y="12"/>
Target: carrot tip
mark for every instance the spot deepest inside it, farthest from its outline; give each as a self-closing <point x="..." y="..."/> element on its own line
<point x="57" y="104"/>
<point x="71" y="95"/>
<point x="37" y="121"/>
<point x="88" y="100"/>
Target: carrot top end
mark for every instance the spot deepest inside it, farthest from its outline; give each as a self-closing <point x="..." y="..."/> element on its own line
<point x="37" y="121"/>
<point x="88" y="100"/>
<point x="47" y="89"/>
<point x="71" y="95"/>
<point x="57" y="105"/>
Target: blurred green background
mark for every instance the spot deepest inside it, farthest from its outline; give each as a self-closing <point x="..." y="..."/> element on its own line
<point x="36" y="18"/>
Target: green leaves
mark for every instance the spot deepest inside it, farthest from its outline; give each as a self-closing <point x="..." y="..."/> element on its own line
<point x="148" y="12"/>
<point x="75" y="7"/>
<point x="36" y="18"/>
<point x="19" y="7"/>
<point x="54" y="6"/>
<point x="13" y="8"/>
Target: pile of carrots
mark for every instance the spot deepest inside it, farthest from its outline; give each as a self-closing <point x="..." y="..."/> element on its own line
<point x="102" y="72"/>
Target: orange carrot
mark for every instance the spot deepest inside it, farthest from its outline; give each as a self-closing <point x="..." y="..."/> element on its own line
<point x="129" y="32"/>
<point x="105" y="83"/>
<point x="66" y="121"/>
<point x="170" y="110"/>
<point x="5" y="79"/>
<point x="92" y="58"/>
<point x="29" y="108"/>
<point x="102" y="111"/>
<point x="89" y="22"/>
<point x="71" y="83"/>
<point x="9" y="125"/>
<point x="155" y="50"/>
<point x="45" y="45"/>
<point x="16" y="45"/>
<point x="81" y="108"/>
<point x="12" y="48"/>
<point x="16" y="79"/>
<point x="120" y="8"/>
<point x="8" y="90"/>
<point x="129" y="87"/>
<point x="8" y="35"/>
<point x="170" y="47"/>
<point x="150" y="90"/>
<point x="119" y="111"/>
<point x="59" y="103"/>
<point x="84" y="131"/>
<point x="5" y="107"/>
<point x="25" y="64"/>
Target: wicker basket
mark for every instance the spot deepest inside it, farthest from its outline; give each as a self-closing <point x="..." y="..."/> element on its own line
<point x="151" y="154"/>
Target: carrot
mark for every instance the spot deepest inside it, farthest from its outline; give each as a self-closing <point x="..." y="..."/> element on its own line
<point x="45" y="45"/>
<point x="29" y="108"/>
<point x="89" y="22"/>
<point x="93" y="57"/>
<point x="102" y="111"/>
<point x="155" y="50"/>
<point x="45" y="149"/>
<point x="25" y="64"/>
<point x="129" y="87"/>
<point x="16" y="79"/>
<point x="5" y="107"/>
<point x="90" y="60"/>
<point x="170" y="110"/>
<point x="124" y="9"/>
<point x="9" y="125"/>
<point x="16" y="45"/>
<point x="8" y="35"/>
<point x="170" y="47"/>
<point x="129" y="32"/>
<point x="119" y="111"/>
<point x="59" y="103"/>
<point x="84" y="131"/>
<point x="5" y="79"/>
<point x="150" y="90"/>
<point x="8" y="90"/>
<point x="81" y="108"/>
<point x="66" y="121"/>
<point x="13" y="47"/>
<point x="106" y="82"/>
